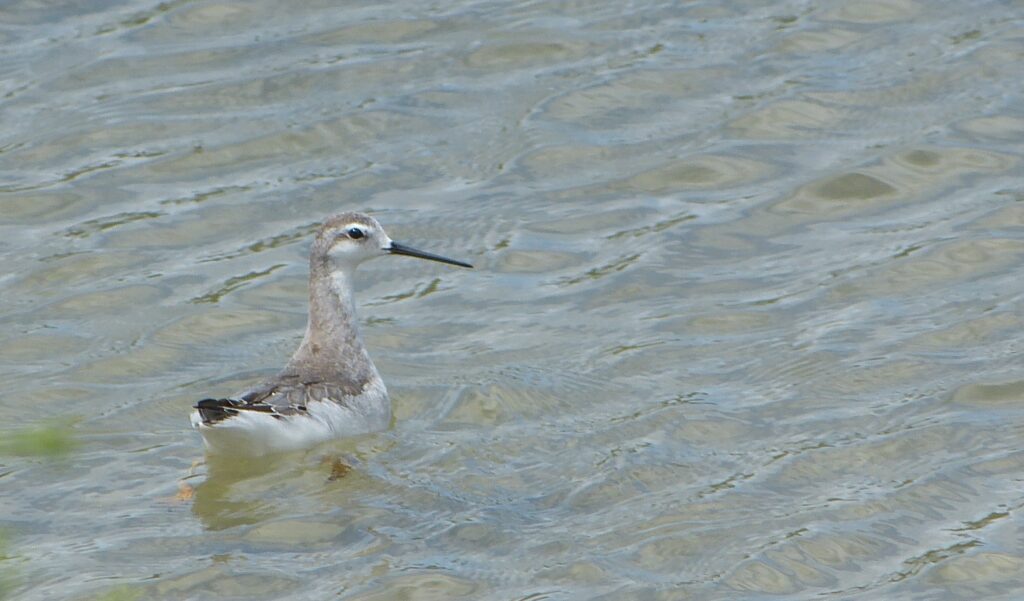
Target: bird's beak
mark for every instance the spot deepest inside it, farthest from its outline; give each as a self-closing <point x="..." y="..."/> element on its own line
<point x="401" y="249"/>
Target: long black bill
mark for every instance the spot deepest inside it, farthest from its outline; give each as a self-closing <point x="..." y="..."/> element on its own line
<point x="401" y="249"/>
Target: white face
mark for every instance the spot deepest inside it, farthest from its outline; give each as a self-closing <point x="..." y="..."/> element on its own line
<point x="356" y="242"/>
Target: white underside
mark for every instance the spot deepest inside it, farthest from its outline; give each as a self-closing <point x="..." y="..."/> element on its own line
<point x="258" y="433"/>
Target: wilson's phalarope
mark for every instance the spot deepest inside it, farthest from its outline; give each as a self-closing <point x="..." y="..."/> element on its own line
<point x="330" y="387"/>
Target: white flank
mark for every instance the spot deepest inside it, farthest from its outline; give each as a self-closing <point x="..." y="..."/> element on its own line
<point x="259" y="433"/>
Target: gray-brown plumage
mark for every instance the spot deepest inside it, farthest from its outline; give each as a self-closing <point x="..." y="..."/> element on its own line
<point x="330" y="387"/>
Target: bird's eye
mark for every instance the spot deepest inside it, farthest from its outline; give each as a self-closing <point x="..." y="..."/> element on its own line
<point x="355" y="233"/>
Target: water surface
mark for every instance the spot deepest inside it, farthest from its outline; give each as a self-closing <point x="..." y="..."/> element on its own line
<point x="745" y="323"/>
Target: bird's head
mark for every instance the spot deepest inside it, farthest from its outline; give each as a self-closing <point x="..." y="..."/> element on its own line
<point x="347" y="239"/>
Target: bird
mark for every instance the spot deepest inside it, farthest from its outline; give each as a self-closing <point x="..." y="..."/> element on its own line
<point x="330" y="387"/>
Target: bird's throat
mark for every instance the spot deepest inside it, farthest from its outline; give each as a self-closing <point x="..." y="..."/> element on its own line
<point x="332" y="347"/>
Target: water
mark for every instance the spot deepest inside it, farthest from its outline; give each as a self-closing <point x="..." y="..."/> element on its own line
<point x="745" y="323"/>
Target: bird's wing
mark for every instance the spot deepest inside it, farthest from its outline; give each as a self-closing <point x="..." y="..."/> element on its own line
<point x="282" y="397"/>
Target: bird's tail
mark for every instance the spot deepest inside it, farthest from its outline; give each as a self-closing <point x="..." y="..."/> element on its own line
<point x="212" y="411"/>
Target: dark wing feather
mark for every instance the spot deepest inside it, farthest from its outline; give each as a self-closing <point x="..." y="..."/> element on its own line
<point x="283" y="397"/>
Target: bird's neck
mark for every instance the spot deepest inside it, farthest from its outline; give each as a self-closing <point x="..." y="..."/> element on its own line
<point x="332" y="349"/>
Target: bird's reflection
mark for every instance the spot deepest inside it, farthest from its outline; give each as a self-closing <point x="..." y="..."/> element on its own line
<point x="221" y="501"/>
<point x="240" y="491"/>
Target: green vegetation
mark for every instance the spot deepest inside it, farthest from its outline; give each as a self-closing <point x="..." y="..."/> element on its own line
<point x="53" y="439"/>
